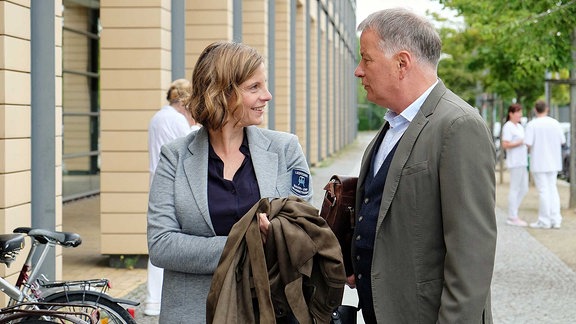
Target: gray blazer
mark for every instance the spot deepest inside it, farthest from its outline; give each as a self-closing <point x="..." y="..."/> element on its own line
<point x="436" y="231"/>
<point x="181" y="238"/>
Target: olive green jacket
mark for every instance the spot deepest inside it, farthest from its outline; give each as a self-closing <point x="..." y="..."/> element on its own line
<point x="299" y="271"/>
<point x="436" y="230"/>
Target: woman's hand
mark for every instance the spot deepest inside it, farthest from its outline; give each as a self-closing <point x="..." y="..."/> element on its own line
<point x="351" y="281"/>
<point x="264" y="225"/>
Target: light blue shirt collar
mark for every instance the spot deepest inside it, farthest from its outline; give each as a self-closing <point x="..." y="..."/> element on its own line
<point x="398" y="126"/>
<point x="410" y="112"/>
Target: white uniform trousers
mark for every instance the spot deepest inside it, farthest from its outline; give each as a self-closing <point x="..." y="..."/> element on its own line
<point x="518" y="189"/>
<point x="549" y="199"/>
<point x="154" y="285"/>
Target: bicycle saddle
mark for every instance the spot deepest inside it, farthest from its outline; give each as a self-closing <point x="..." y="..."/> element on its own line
<point x="10" y="244"/>
<point x="67" y="239"/>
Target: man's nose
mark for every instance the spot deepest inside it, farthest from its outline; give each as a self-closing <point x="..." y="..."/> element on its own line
<point x="358" y="72"/>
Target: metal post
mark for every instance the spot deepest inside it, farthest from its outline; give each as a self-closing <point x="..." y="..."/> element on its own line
<point x="237" y="21"/>
<point x="178" y="51"/>
<point x="43" y="88"/>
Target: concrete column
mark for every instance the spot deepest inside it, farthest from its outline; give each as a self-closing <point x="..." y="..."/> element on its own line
<point x="314" y="138"/>
<point x="282" y="94"/>
<point x="301" y="76"/>
<point x="272" y="62"/>
<point x="319" y="79"/>
<point x="135" y="74"/>
<point x="332" y="88"/>
<point x="255" y="29"/>
<point x="206" y="22"/>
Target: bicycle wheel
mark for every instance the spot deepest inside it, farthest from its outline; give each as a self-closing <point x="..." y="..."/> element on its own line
<point x="110" y="311"/>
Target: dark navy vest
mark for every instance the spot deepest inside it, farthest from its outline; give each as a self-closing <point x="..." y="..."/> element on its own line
<point x="373" y="187"/>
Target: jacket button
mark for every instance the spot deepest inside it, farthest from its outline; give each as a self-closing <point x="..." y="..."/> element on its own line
<point x="359" y="276"/>
<point x="366" y="200"/>
<point x="358" y="257"/>
<point x="360" y="218"/>
<point x="358" y="238"/>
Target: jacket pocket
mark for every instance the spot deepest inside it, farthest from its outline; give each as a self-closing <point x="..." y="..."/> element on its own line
<point x="415" y="168"/>
<point x="429" y="294"/>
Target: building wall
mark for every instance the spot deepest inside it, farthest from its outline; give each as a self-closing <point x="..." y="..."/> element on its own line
<point x="135" y="43"/>
<point x="15" y="128"/>
<point x="302" y="84"/>
<point x="206" y="22"/>
<point x="15" y="124"/>
<point x="314" y="136"/>
<point x="58" y="129"/>
<point x="281" y="93"/>
<point x="135" y="72"/>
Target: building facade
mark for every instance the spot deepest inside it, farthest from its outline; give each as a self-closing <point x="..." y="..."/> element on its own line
<point x="80" y="80"/>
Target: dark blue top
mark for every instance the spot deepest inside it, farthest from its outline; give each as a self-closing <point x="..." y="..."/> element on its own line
<point x="229" y="200"/>
<point x="365" y="231"/>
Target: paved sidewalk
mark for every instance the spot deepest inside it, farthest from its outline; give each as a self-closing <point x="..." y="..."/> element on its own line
<point x="534" y="277"/>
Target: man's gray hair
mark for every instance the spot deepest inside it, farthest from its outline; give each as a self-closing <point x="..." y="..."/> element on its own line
<point x="400" y="29"/>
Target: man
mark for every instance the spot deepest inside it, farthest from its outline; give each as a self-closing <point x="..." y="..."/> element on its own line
<point x="544" y="137"/>
<point x="425" y="235"/>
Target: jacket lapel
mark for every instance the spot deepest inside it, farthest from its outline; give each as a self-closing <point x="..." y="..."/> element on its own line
<point x="405" y="147"/>
<point x="196" y="170"/>
<point x="264" y="162"/>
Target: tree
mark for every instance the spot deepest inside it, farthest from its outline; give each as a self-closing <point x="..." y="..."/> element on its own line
<point x="519" y="41"/>
<point x="516" y="42"/>
<point x="454" y="67"/>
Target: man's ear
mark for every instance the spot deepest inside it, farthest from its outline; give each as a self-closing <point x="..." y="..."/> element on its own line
<point x="404" y="61"/>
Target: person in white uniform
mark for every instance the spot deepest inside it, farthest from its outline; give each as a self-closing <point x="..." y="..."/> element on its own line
<point x="170" y="122"/>
<point x="516" y="162"/>
<point x="545" y="138"/>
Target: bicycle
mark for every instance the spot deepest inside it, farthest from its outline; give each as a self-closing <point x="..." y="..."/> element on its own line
<point x="61" y="296"/>
<point x="38" y="313"/>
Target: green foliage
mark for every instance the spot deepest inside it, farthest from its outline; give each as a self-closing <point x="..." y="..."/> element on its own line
<point x="507" y="46"/>
<point x="370" y="115"/>
<point x="126" y="261"/>
<point x="454" y="68"/>
<point x="561" y="92"/>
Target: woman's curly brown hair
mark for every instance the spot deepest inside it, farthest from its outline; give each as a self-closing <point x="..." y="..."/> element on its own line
<point x="220" y="70"/>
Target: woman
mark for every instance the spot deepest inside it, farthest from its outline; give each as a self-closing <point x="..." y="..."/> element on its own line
<point x="516" y="162"/>
<point x="170" y="122"/>
<point x="209" y="179"/>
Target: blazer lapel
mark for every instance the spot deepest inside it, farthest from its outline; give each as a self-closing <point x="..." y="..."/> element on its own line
<point x="262" y="160"/>
<point x="405" y="147"/>
<point x="196" y="170"/>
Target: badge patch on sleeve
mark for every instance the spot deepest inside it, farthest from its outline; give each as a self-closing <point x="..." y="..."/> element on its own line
<point x="300" y="182"/>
